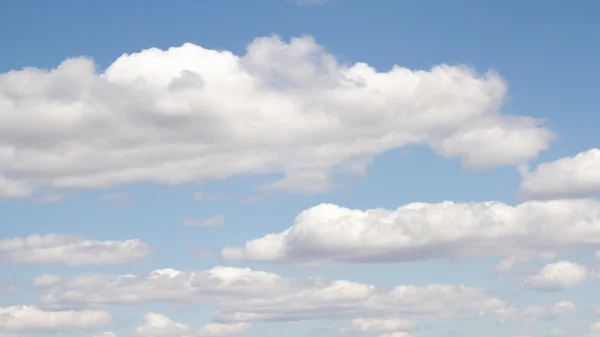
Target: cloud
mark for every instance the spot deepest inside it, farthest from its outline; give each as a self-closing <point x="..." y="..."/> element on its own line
<point x="594" y="327"/>
<point x="244" y="295"/>
<point x="212" y="197"/>
<point x="157" y="325"/>
<point x="30" y="319"/>
<point x="217" y="220"/>
<point x="106" y="334"/>
<point x="71" y="250"/>
<point x="117" y="198"/>
<point x="305" y="182"/>
<point x="46" y="280"/>
<point x="379" y="325"/>
<point x="14" y="188"/>
<point x="558" y="310"/>
<point x="569" y="177"/>
<point x="558" y="276"/>
<point x="221" y="330"/>
<point x="166" y="116"/>
<point x="420" y="231"/>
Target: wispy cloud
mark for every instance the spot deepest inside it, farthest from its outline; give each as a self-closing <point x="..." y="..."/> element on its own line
<point x="71" y="250"/>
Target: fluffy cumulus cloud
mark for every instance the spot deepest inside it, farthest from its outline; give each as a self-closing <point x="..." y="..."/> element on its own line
<point x="157" y="325"/>
<point x="558" y="276"/>
<point x="244" y="295"/>
<point x="167" y="116"/>
<point x="30" y="319"/>
<point x="418" y="231"/>
<point x="570" y="177"/>
<point x="71" y="250"/>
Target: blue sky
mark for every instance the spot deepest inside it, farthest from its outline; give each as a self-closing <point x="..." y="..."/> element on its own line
<point x="267" y="135"/>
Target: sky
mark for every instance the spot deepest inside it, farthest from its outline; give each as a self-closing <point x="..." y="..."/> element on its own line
<point x="299" y="168"/>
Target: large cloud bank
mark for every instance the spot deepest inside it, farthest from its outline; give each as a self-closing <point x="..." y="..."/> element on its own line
<point x="192" y="114"/>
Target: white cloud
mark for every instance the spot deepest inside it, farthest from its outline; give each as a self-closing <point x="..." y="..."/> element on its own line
<point x="71" y="250"/>
<point x="558" y="276"/>
<point x="106" y="334"/>
<point x="419" y="231"/>
<point x="217" y="220"/>
<point x="244" y="295"/>
<point x="167" y="116"/>
<point x="46" y="280"/>
<point x="557" y="310"/>
<point x="569" y="177"/>
<point x="380" y="325"/>
<point x="221" y="330"/>
<point x="161" y="285"/>
<point x="157" y="325"/>
<point x="30" y="319"/>
<point x="595" y="327"/>
<point x="510" y="262"/>
<point x="305" y="182"/>
<point x="14" y="188"/>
